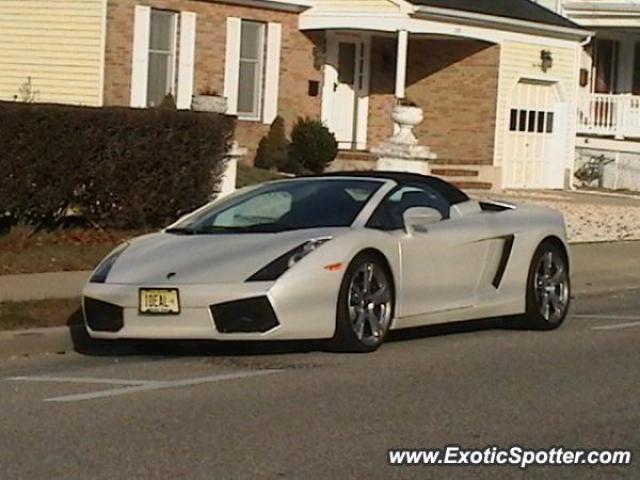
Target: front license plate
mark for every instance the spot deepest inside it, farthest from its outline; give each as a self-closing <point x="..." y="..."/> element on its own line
<point x="159" y="301"/>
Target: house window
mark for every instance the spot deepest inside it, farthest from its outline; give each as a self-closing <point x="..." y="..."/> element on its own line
<point x="530" y="121"/>
<point x="162" y="56"/>
<point x="347" y="63"/>
<point x="251" y="74"/>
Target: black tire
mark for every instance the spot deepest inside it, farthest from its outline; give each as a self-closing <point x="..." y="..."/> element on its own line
<point x="536" y="317"/>
<point x="345" y="338"/>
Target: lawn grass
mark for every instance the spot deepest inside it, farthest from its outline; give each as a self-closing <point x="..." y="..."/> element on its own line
<point x="40" y="313"/>
<point x="23" y="251"/>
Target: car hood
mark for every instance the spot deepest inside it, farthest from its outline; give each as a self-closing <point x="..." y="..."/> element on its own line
<point x="202" y="259"/>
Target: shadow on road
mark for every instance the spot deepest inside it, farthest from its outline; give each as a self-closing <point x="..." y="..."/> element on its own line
<point x="85" y="345"/>
<point x="448" y="329"/>
<point x="184" y="348"/>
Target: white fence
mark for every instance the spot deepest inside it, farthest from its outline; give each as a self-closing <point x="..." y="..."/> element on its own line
<point x="615" y="115"/>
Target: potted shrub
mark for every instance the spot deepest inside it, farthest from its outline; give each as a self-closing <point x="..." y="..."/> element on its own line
<point x="209" y="100"/>
<point x="407" y="114"/>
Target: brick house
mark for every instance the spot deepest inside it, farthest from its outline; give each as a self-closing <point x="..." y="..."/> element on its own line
<point x="497" y="80"/>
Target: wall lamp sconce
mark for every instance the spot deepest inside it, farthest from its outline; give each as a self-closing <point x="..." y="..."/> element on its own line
<point x="547" y="60"/>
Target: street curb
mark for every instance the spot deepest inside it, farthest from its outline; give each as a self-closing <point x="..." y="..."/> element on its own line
<point x="18" y="343"/>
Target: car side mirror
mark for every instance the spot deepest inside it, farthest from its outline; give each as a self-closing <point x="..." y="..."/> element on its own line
<point x="418" y="219"/>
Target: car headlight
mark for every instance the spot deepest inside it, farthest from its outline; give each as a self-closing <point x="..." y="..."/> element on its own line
<point x="102" y="270"/>
<point x="281" y="264"/>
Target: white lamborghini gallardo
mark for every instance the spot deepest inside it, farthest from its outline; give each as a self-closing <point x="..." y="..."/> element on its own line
<point x="343" y="257"/>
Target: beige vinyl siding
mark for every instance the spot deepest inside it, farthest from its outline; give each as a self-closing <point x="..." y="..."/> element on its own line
<point x="356" y="5"/>
<point x="58" y="43"/>
<point x="522" y="61"/>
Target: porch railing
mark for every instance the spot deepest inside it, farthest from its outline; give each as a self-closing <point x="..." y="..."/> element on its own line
<point x="615" y="115"/>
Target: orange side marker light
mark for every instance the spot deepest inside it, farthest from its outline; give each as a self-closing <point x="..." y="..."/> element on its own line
<point x="334" y="267"/>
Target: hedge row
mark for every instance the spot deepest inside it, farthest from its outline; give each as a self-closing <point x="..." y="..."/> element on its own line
<point x="120" y="167"/>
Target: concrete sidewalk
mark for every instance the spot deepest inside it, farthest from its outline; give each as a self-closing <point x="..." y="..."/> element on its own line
<point x="40" y="286"/>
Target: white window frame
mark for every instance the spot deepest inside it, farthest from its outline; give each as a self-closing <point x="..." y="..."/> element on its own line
<point x="173" y="53"/>
<point x="186" y="59"/>
<point x="259" y="64"/>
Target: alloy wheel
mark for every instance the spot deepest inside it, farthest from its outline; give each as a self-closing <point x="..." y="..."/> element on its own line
<point x="369" y="303"/>
<point x="551" y="283"/>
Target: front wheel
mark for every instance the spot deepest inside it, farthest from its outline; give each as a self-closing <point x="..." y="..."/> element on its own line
<point x="548" y="289"/>
<point x="365" y="305"/>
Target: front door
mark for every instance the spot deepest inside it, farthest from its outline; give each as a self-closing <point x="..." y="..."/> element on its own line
<point x="345" y="96"/>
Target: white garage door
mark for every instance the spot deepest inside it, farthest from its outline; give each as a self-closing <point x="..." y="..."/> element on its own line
<point x="535" y="153"/>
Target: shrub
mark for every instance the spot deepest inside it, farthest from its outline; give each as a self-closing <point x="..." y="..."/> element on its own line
<point x="273" y="148"/>
<point x="313" y="147"/>
<point x="119" y="167"/>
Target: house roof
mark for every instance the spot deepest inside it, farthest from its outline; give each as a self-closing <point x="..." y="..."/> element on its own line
<point x="517" y="9"/>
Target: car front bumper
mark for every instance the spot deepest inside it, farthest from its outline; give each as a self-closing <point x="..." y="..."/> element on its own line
<point x="309" y="314"/>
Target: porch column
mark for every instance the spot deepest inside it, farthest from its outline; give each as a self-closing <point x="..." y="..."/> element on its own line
<point x="401" y="64"/>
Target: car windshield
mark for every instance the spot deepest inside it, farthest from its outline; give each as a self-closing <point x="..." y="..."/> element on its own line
<point x="283" y="206"/>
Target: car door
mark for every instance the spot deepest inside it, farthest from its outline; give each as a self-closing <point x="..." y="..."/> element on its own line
<point x="440" y="267"/>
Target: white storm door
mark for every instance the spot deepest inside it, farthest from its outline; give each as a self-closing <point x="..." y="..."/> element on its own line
<point x="441" y="269"/>
<point x="535" y="156"/>
<point x="346" y="89"/>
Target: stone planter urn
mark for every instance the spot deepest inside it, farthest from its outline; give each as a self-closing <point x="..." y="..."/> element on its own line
<point x="402" y="153"/>
<point x="209" y="103"/>
<point x="407" y="119"/>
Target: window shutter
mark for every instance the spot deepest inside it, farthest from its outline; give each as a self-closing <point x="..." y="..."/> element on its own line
<point x="232" y="64"/>
<point x="186" y="57"/>
<point x="140" y="57"/>
<point x="272" y="76"/>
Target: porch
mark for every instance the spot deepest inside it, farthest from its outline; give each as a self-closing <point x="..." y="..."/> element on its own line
<point x="609" y="102"/>
<point x="452" y="79"/>
<point x="609" y="114"/>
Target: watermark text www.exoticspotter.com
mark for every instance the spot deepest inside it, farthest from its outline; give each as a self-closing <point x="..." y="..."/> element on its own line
<point x="515" y="456"/>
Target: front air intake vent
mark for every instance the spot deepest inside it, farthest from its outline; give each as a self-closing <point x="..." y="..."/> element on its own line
<point x="102" y="316"/>
<point x="252" y="315"/>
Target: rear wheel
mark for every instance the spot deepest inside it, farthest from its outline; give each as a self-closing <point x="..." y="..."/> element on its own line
<point x="548" y="289"/>
<point x="365" y="305"/>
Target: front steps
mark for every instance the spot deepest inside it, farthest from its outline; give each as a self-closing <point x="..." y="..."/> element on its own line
<point x="465" y="177"/>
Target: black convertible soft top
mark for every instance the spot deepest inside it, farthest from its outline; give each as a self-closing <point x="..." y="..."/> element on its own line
<point x="448" y="191"/>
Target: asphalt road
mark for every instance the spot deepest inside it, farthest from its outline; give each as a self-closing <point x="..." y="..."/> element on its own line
<point x="292" y="411"/>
